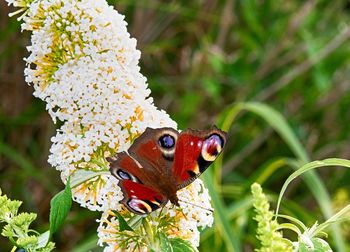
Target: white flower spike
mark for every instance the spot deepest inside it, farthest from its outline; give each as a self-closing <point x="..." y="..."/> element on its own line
<point x="84" y="65"/>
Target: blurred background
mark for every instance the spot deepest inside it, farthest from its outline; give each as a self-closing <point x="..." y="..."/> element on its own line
<point x="200" y="58"/>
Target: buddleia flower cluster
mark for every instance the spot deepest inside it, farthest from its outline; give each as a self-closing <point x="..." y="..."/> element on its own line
<point x="83" y="63"/>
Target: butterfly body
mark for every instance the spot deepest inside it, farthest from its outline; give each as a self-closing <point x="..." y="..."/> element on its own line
<point x="162" y="161"/>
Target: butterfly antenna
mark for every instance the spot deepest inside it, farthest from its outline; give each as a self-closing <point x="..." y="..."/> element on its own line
<point x="207" y="209"/>
<point x="183" y="214"/>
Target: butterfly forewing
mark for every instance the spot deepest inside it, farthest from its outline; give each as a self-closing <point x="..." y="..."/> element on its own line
<point x="150" y="153"/>
<point x="195" y="151"/>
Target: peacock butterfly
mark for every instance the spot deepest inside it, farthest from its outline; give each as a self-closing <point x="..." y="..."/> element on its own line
<point x="162" y="161"/>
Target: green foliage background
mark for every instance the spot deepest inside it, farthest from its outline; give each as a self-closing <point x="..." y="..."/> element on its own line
<point x="201" y="57"/>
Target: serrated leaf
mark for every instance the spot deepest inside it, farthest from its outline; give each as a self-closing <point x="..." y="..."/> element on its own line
<point x="164" y="242"/>
<point x="179" y="245"/>
<point x="123" y="225"/>
<point x="59" y="208"/>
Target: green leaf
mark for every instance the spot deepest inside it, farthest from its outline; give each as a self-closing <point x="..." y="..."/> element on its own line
<point x="294" y="220"/>
<point x="135" y="221"/>
<point x="81" y="176"/>
<point x="179" y="245"/>
<point x="304" y="248"/>
<point x="289" y="226"/>
<point x="321" y="245"/>
<point x="43" y="239"/>
<point x="164" y="242"/>
<point x="123" y="225"/>
<point x="60" y="206"/>
<point x="308" y="167"/>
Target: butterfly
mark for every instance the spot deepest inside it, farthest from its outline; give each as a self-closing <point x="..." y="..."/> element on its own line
<point x="162" y="161"/>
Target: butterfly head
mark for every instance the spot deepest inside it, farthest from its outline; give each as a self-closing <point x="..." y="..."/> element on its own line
<point x="174" y="199"/>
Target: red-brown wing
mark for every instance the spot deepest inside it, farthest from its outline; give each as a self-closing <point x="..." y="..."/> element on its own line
<point x="124" y="167"/>
<point x="195" y="151"/>
<point x="147" y="166"/>
<point x="140" y="199"/>
<point x="148" y="159"/>
<point x="154" y="150"/>
<point x="160" y="162"/>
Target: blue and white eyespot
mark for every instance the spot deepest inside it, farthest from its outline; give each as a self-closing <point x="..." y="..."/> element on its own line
<point x="167" y="141"/>
<point x="123" y="175"/>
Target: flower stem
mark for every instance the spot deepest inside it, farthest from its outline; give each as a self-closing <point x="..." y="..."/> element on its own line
<point x="150" y="235"/>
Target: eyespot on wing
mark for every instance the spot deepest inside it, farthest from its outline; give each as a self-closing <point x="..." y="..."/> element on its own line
<point x="212" y="147"/>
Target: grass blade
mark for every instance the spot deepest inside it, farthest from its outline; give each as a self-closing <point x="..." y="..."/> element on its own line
<point x="308" y="167"/>
<point x="280" y="125"/>
<point x="221" y="216"/>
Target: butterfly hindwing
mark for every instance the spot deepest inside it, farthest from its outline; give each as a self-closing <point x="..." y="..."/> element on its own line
<point x="140" y="199"/>
<point x="195" y="151"/>
<point x="124" y="167"/>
